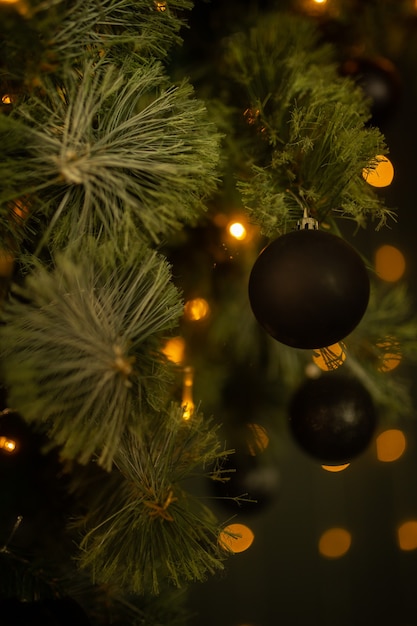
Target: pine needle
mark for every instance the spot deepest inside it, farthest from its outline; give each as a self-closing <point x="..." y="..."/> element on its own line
<point x="151" y="530"/>
<point x="312" y="141"/>
<point x="81" y="346"/>
<point x="110" y="144"/>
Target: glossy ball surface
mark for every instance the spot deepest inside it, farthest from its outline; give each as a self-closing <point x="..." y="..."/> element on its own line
<point x="332" y="418"/>
<point x="309" y="289"/>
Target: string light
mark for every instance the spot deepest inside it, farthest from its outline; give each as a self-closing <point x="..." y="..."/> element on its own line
<point x="335" y="468"/>
<point x="161" y="6"/>
<point x="236" y="538"/>
<point x="174" y="350"/>
<point x="187" y="403"/>
<point x="389" y="263"/>
<point x="391" y="357"/>
<point x="196" y="309"/>
<point x="380" y="175"/>
<point x="334" y="543"/>
<point x="330" y="358"/>
<point x="237" y="230"/>
<point x="407" y="535"/>
<point x="8" y="445"/>
<point x="390" y="445"/>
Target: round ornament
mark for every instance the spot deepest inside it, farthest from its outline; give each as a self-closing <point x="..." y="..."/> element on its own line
<point x="332" y="418"/>
<point x="309" y="289"/>
<point x="380" y="82"/>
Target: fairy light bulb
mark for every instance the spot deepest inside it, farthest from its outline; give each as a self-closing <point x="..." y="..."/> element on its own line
<point x="381" y="174"/>
<point x="237" y="231"/>
<point x="161" y="6"/>
<point x="8" y="445"/>
<point x="187" y="402"/>
<point x="196" y="309"/>
<point x="174" y="350"/>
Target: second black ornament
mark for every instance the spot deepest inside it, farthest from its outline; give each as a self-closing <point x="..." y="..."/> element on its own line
<point x="332" y="418"/>
<point x="309" y="289"/>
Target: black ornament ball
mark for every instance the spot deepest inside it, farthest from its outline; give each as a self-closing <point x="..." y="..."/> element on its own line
<point x="380" y="82"/>
<point x="332" y="418"/>
<point x="309" y="289"/>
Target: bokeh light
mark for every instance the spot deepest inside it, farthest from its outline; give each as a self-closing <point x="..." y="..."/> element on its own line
<point x="390" y="445"/>
<point x="257" y="439"/>
<point x="8" y="445"/>
<point x="187" y="402"/>
<point x="335" y="468"/>
<point x="330" y="358"/>
<point x="382" y="174"/>
<point x="389" y="263"/>
<point x="391" y="354"/>
<point x="6" y="264"/>
<point x="196" y="309"/>
<point x="174" y="350"/>
<point x="237" y="230"/>
<point x="241" y="541"/>
<point x="407" y="535"/>
<point x="334" y="543"/>
<point x="161" y="6"/>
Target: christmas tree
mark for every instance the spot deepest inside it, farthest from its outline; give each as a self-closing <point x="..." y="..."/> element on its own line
<point x="182" y="192"/>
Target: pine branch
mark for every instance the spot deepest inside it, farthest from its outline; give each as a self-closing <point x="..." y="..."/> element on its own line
<point x="83" y="341"/>
<point x="312" y="142"/>
<point x="150" y="529"/>
<point x="59" y="33"/>
<point x="109" y="145"/>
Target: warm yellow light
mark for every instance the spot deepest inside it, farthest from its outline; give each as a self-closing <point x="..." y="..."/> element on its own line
<point x="6" y="99"/>
<point x="174" y="350"/>
<point x="236" y="538"/>
<point x="237" y="230"/>
<point x="407" y="535"/>
<point x="390" y="445"/>
<point x="389" y="263"/>
<point x="330" y="358"/>
<point x="381" y="173"/>
<point x="8" y="445"/>
<point x="334" y="543"/>
<point x="320" y="1"/>
<point x="187" y="403"/>
<point x="196" y="309"/>
<point x="335" y="468"/>
<point x="391" y="355"/>
<point x="6" y="264"/>
<point x="257" y="440"/>
<point x="161" y="6"/>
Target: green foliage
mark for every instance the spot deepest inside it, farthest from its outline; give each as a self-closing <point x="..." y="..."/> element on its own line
<point x="149" y="528"/>
<point x="83" y="341"/>
<point x="57" y="33"/>
<point x="108" y="145"/>
<point x="309" y="130"/>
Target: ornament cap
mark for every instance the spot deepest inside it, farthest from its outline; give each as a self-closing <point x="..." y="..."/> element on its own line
<point x="307" y="222"/>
